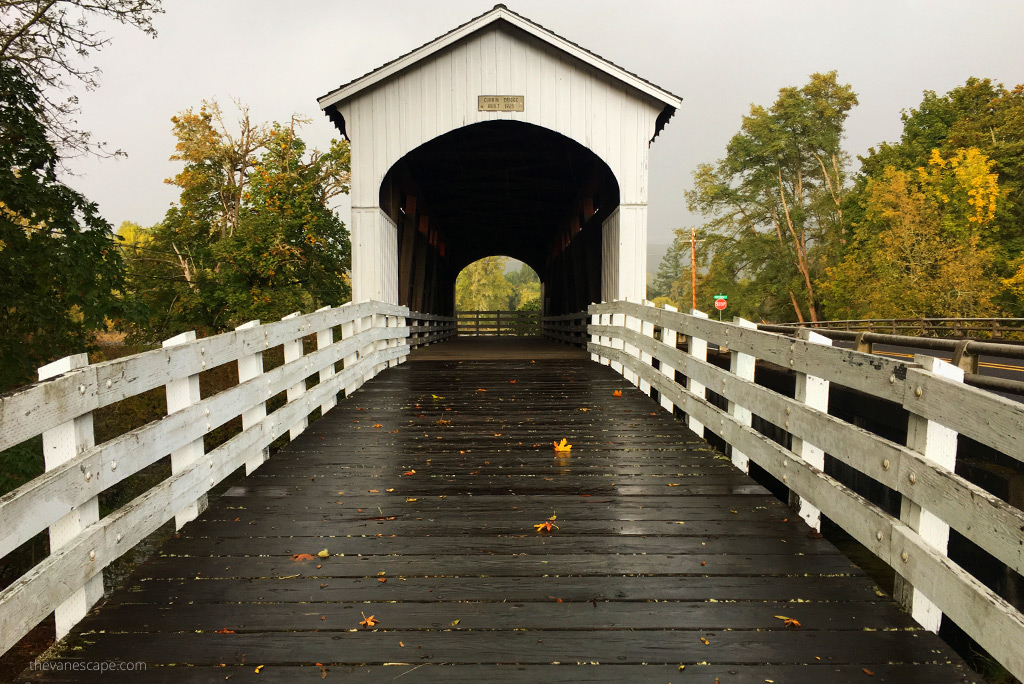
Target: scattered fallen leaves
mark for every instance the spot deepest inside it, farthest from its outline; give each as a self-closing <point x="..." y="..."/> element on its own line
<point x="617" y="393"/>
<point x="545" y="526"/>
<point x="564" y="446"/>
<point x="302" y="557"/>
<point x="324" y="553"/>
<point x="368" y="621"/>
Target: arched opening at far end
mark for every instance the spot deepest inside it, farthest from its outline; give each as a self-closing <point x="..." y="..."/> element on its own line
<point x="498" y="283"/>
<point x="500" y="188"/>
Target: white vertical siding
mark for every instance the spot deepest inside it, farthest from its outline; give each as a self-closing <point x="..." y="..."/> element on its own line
<point x="439" y="94"/>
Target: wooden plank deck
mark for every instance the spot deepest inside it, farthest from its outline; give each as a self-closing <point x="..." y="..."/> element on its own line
<point x="664" y="554"/>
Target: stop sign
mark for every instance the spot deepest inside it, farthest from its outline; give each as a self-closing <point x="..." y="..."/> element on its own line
<point x="720" y="304"/>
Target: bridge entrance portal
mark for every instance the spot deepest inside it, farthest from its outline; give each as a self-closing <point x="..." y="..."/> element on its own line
<point x="499" y="137"/>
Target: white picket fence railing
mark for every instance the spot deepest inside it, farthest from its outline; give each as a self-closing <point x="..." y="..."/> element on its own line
<point x="69" y="580"/>
<point x="623" y="335"/>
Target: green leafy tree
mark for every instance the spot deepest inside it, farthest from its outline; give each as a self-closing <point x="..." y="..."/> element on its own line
<point x="482" y="286"/>
<point x="775" y="200"/>
<point x="253" y="235"/>
<point x="983" y="115"/>
<point x="918" y="251"/>
<point x="59" y="261"/>
<point x="525" y="285"/>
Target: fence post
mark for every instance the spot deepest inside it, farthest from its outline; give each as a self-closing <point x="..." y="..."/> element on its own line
<point x="631" y="323"/>
<point x="324" y="339"/>
<point x="698" y="349"/>
<point x="181" y="393"/>
<point x="392" y="322"/>
<point x="595" y="319"/>
<point x="401" y="322"/>
<point x="349" y="330"/>
<point x="292" y="352"/>
<point x="812" y="391"/>
<point x="617" y="320"/>
<point x="249" y="367"/>
<point x="668" y="338"/>
<point x="61" y="444"/>
<point x="742" y="366"/>
<point x="937" y="444"/>
<point x="647" y="330"/>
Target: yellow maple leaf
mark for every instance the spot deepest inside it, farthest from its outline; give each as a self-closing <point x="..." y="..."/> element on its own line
<point x="564" y="446"/>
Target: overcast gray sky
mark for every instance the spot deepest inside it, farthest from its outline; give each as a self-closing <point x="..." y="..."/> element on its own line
<point x="278" y="56"/>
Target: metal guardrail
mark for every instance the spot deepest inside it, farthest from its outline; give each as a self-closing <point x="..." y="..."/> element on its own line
<point x="964" y="353"/>
<point x="498" y="323"/>
<point x="993" y="328"/>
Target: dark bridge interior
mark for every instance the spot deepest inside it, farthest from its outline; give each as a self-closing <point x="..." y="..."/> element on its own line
<point x="499" y="188"/>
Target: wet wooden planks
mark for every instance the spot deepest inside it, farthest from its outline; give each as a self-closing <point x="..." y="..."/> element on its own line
<point x="425" y="487"/>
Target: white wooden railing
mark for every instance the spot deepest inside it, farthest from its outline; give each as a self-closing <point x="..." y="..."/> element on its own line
<point x="630" y="337"/>
<point x="373" y="336"/>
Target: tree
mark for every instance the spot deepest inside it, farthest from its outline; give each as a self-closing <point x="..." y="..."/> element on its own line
<point x="482" y="286"/>
<point x="253" y="235"/>
<point x="48" y="41"/>
<point x="919" y="250"/>
<point x="776" y="198"/>
<point x="983" y="115"/>
<point x="525" y="284"/>
<point x="59" y="262"/>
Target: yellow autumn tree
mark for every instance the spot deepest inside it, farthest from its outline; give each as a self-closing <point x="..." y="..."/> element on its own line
<point x="920" y="250"/>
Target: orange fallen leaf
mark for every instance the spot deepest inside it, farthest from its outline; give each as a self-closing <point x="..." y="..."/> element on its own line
<point x="378" y="425"/>
<point x="302" y="557"/>
<point x="617" y="393"/>
<point x="401" y="644"/>
<point x="373" y="491"/>
<point x="705" y="641"/>
<point x="481" y="390"/>
<point x="409" y="472"/>
<point x="411" y="499"/>
<point x="225" y="631"/>
<point x="868" y="672"/>
<point x="563" y="446"/>
<point x="382" y="580"/>
<point x="545" y="526"/>
<point x="793" y="624"/>
<point x="368" y="621"/>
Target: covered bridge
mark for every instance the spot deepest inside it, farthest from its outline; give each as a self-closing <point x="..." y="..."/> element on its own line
<point x="499" y="138"/>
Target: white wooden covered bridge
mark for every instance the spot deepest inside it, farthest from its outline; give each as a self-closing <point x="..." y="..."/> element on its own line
<point x="414" y="520"/>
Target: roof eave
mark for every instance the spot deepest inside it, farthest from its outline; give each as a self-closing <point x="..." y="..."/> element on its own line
<point x="499" y="13"/>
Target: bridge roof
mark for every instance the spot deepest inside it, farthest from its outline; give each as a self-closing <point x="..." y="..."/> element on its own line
<point x="501" y="14"/>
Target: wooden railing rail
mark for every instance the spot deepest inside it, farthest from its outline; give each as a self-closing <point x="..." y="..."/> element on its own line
<point x="568" y="328"/>
<point x="935" y="499"/>
<point x="498" y="323"/>
<point x="426" y="329"/>
<point x="68" y="581"/>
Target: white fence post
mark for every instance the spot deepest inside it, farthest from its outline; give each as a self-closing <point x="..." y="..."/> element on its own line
<point x="812" y="391"/>
<point x="698" y="349"/>
<point x="631" y="323"/>
<point x="368" y="323"/>
<point x="250" y="367"/>
<point x="182" y="393"/>
<point x="647" y="330"/>
<point x="617" y="320"/>
<point x="349" y="330"/>
<point x="937" y="444"/>
<point x="292" y="352"/>
<point x="600" y="319"/>
<point x="324" y="339"/>
<point x="392" y="322"/>
<point x="742" y="366"/>
<point x="668" y="338"/>
<point x="402" y="321"/>
<point x="60" y="444"/>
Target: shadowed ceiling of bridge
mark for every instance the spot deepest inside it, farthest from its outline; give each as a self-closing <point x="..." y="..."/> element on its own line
<point x="503" y="188"/>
